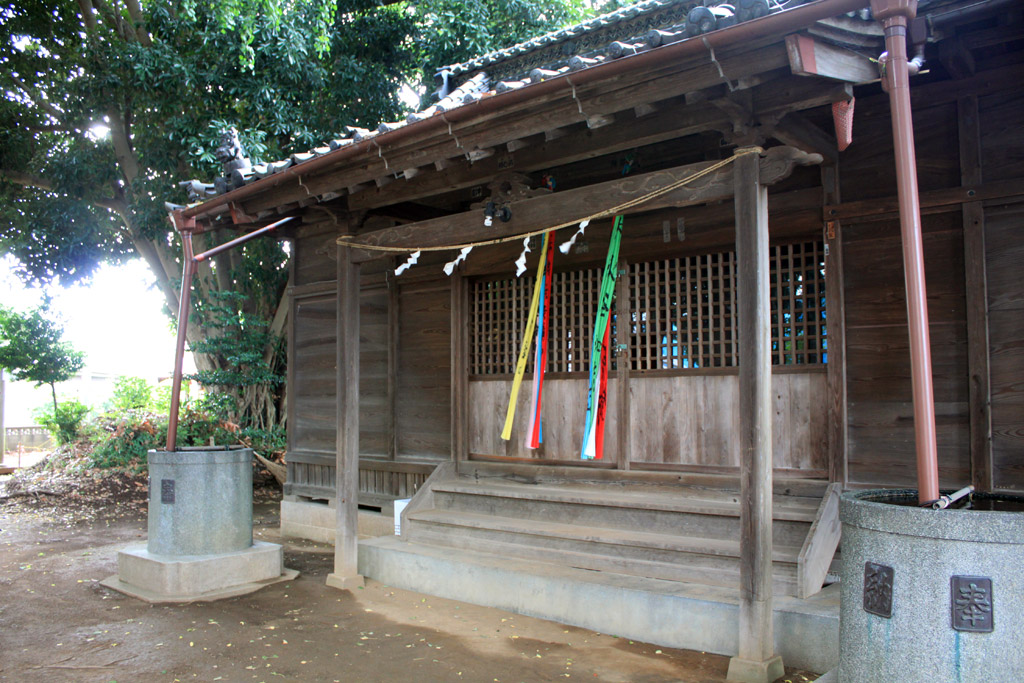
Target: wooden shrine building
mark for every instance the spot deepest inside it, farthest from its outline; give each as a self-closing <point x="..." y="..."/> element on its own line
<point x="758" y="333"/>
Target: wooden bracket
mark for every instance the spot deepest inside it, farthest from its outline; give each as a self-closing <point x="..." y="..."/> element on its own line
<point x="182" y="224"/>
<point x="810" y="57"/>
<point x="239" y="216"/>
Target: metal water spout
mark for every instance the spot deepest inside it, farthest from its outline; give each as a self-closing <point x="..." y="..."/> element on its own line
<point x="895" y="15"/>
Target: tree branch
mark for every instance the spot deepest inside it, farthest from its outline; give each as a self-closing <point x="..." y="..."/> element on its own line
<point x="39" y="100"/>
<point x="88" y="17"/>
<point x="123" y="147"/>
<point x="119" y="25"/>
<point x="116" y="205"/>
<point x="139" y="21"/>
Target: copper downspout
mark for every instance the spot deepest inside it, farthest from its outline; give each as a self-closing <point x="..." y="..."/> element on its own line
<point x="778" y="22"/>
<point x="185" y="227"/>
<point x="895" y="15"/>
<point x="184" y="306"/>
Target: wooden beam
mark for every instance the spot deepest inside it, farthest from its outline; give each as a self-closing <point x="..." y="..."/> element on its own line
<point x="976" y="290"/>
<point x="811" y="57"/>
<point x="820" y="545"/>
<point x="885" y="207"/>
<point x="756" y="642"/>
<point x="573" y="205"/>
<point x="346" y="542"/>
<point x="794" y="129"/>
<point x="577" y="144"/>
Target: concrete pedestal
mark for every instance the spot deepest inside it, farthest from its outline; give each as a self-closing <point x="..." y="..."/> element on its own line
<point x="200" y="531"/>
<point x="194" y="578"/>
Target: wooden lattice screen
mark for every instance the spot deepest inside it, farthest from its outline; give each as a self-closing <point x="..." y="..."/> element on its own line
<point x="499" y="312"/>
<point x="682" y="314"/>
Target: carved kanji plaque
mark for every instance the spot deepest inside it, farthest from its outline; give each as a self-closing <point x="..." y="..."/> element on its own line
<point x="878" y="580"/>
<point x="971" y="603"/>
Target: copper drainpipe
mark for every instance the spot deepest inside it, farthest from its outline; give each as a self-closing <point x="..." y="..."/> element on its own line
<point x="185" y="227"/>
<point x="184" y="306"/>
<point x="894" y="16"/>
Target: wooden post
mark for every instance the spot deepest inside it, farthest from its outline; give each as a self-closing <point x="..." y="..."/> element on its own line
<point x="459" y="367"/>
<point x="835" y="322"/>
<point x="976" y="288"/>
<point x="756" y="660"/>
<point x="391" y="418"/>
<point x="346" y="541"/>
<point x="623" y="327"/>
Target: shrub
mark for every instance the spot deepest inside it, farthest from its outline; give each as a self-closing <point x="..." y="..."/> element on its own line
<point x="64" y="423"/>
<point x="126" y="439"/>
<point x="131" y="393"/>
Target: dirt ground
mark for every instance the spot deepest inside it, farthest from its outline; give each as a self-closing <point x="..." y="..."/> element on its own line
<point x="58" y="624"/>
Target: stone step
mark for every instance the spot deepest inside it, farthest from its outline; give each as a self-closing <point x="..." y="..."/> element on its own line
<point x="713" y="561"/>
<point x="664" y="613"/>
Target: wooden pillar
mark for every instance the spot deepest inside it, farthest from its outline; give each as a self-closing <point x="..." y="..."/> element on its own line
<point x="976" y="289"/>
<point x="835" y="324"/>
<point x="391" y="416"/>
<point x="756" y="661"/>
<point x="460" y="367"/>
<point x="623" y="327"/>
<point x="346" y="541"/>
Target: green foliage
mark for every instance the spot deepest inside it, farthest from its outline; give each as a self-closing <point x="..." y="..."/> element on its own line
<point x="63" y="421"/>
<point x="131" y="393"/>
<point x="106" y="107"/>
<point x="31" y="349"/>
<point x="124" y="440"/>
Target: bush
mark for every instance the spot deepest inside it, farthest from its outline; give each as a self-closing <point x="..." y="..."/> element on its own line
<point x="64" y="423"/>
<point x="125" y="440"/>
<point x="131" y="393"/>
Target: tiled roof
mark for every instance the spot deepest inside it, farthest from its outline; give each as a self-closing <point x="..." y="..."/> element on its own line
<point x="627" y="31"/>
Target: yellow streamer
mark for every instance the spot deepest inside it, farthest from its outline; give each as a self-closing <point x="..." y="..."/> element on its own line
<point x="528" y="334"/>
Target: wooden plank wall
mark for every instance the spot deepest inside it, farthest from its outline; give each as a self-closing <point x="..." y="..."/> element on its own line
<point x="881" y="427"/>
<point x="1004" y="228"/>
<point x="1002" y="154"/>
<point x="312" y="393"/>
<point x="688" y="420"/>
<point x="881" y="448"/>
<point x="563" y="409"/>
<point x="423" y="382"/>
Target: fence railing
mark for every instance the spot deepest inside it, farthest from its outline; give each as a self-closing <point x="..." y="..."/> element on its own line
<point x="27" y="437"/>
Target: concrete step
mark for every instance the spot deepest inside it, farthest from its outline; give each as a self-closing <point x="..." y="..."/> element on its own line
<point x="666" y="613"/>
<point x="676" y="510"/>
<point x="711" y="561"/>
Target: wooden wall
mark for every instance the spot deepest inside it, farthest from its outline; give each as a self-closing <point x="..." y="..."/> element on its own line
<point x="1004" y="230"/>
<point x="686" y="420"/>
<point x="966" y="134"/>
<point x="1001" y="143"/>
<point x="423" y="400"/>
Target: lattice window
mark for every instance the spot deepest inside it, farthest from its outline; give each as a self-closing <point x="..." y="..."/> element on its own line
<point x="683" y="310"/>
<point x="798" y="304"/>
<point x="683" y="314"/>
<point x="499" y="312"/>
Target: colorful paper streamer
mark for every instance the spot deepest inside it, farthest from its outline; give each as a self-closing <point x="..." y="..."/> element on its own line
<point x="524" y="349"/>
<point x="597" y="390"/>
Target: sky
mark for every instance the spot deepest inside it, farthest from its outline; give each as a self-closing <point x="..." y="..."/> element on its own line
<point x="117" y="319"/>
